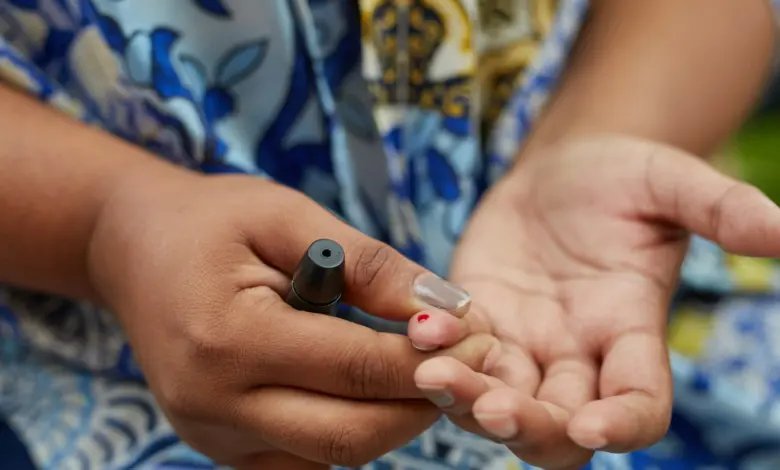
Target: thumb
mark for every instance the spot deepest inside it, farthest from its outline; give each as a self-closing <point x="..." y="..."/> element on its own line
<point x="378" y="279"/>
<point x="685" y="190"/>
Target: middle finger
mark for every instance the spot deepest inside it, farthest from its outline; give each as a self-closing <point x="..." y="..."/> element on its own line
<point x="287" y="347"/>
<point x="533" y="430"/>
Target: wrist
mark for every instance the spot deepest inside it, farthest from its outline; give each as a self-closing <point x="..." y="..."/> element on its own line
<point x="612" y="82"/>
<point x="540" y="161"/>
<point x="124" y="215"/>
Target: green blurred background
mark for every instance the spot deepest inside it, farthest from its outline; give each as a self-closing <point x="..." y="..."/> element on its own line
<point x="753" y="153"/>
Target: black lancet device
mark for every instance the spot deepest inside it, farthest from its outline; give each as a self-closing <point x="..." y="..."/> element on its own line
<point x="318" y="281"/>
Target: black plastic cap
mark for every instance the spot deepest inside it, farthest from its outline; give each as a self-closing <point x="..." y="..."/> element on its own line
<point x="319" y="278"/>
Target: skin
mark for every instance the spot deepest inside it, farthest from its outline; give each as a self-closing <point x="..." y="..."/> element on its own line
<point x="98" y="219"/>
<point x="573" y="256"/>
<point x="185" y="263"/>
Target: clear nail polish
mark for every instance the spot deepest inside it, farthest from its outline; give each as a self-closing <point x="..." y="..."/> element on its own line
<point x="434" y="291"/>
<point x="442" y="398"/>
<point x="422" y="348"/>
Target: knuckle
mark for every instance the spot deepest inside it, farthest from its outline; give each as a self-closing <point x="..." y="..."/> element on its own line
<point x="338" y="445"/>
<point x="260" y="300"/>
<point x="391" y="377"/>
<point x="717" y="210"/>
<point x="212" y="340"/>
<point x="356" y="369"/>
<point x="179" y="398"/>
<point x="205" y="343"/>
<point x="372" y="260"/>
<point x="348" y="445"/>
<point x="369" y="374"/>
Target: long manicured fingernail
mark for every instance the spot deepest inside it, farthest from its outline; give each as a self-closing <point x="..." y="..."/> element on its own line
<point x="501" y="426"/>
<point x="434" y="291"/>
<point x="441" y="397"/>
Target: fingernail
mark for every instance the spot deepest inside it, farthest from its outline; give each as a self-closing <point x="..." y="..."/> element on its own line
<point x="440" y="397"/>
<point x="590" y="440"/>
<point x="424" y="348"/>
<point x="500" y="426"/>
<point x="434" y="291"/>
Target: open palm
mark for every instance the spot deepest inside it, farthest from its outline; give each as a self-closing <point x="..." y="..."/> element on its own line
<point x="571" y="261"/>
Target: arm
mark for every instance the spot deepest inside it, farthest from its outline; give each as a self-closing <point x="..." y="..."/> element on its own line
<point x="56" y="175"/>
<point x="685" y="73"/>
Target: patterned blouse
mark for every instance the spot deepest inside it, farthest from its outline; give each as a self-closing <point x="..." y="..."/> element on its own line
<point x="394" y="114"/>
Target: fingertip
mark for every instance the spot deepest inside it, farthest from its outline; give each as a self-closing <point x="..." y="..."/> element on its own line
<point x="449" y="384"/>
<point x="501" y="401"/>
<point x="619" y="424"/>
<point x="588" y="430"/>
<point x="496" y="411"/>
<point x="758" y="231"/>
<point x="432" y="329"/>
<point x="439" y="372"/>
<point x="534" y="430"/>
<point x="533" y="422"/>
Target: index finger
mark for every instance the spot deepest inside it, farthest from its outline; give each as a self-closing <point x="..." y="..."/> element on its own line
<point x="378" y="279"/>
<point x="288" y="347"/>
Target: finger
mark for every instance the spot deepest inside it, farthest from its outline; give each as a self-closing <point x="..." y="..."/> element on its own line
<point x="636" y="391"/>
<point x="454" y="388"/>
<point x="534" y="430"/>
<point x="433" y="329"/>
<point x="284" y="346"/>
<point x="516" y="368"/>
<point x="332" y="430"/>
<point x="569" y="383"/>
<point x="451" y="385"/>
<point x="686" y="190"/>
<point x="378" y="279"/>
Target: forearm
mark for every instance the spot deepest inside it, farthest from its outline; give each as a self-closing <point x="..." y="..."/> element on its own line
<point x="681" y="72"/>
<point x="56" y="175"/>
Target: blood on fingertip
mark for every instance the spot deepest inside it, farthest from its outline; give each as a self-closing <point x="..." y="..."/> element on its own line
<point x="423" y="317"/>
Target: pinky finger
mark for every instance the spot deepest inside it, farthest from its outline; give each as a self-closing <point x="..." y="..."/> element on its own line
<point x="533" y="430"/>
<point x="636" y="405"/>
<point x="620" y="424"/>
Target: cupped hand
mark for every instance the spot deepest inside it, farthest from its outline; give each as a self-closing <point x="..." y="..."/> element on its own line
<point x="571" y="261"/>
<point x="196" y="269"/>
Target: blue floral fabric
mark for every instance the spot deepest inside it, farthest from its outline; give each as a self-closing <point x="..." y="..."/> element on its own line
<point x="395" y="115"/>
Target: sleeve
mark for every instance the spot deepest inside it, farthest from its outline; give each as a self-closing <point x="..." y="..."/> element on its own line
<point x="19" y="69"/>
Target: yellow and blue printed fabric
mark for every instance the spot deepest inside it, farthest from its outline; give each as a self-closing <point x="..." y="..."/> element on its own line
<point x="394" y="114"/>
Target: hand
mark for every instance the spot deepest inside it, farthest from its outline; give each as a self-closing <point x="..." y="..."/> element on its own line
<point x="194" y="268"/>
<point x="571" y="260"/>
